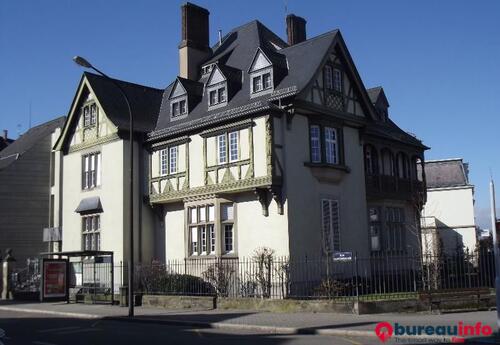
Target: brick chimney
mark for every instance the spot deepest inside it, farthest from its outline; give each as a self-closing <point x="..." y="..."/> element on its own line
<point x="194" y="46"/>
<point x="295" y="29"/>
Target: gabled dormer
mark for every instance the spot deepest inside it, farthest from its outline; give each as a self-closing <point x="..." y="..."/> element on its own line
<point x="266" y="70"/>
<point x="222" y="83"/>
<point x="183" y="97"/>
<point x="217" y="89"/>
<point x="380" y="102"/>
<point x="178" y="101"/>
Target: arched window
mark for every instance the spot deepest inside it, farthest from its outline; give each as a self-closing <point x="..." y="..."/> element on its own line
<point x="371" y="160"/>
<point x="388" y="167"/>
<point x="403" y="166"/>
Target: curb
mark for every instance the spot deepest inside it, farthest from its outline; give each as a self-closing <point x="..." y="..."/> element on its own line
<point x="225" y="325"/>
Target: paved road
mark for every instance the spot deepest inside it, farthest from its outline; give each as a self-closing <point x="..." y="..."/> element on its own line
<point x="34" y="329"/>
<point x="31" y="329"/>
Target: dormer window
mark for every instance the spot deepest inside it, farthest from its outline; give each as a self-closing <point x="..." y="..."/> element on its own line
<point x="89" y="115"/>
<point x="217" y="96"/>
<point x="179" y="108"/>
<point x="261" y="82"/>
<point x="262" y="75"/>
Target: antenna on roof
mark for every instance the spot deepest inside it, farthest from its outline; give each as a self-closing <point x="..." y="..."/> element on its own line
<point x="29" y="118"/>
<point x="286" y="6"/>
<point x="220" y="36"/>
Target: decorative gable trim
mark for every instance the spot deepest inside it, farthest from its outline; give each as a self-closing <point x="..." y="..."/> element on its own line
<point x="216" y="76"/>
<point x="62" y="141"/>
<point x="259" y="61"/>
<point x="178" y="90"/>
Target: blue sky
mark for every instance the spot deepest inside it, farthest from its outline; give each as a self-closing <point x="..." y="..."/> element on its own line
<point x="437" y="60"/>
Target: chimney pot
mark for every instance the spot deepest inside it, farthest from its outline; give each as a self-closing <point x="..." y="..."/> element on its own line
<point x="5" y="134"/>
<point x="295" y="29"/>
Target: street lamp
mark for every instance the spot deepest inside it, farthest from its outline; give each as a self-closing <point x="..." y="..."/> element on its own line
<point x="84" y="63"/>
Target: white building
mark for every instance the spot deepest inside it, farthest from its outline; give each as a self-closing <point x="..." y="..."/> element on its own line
<point x="448" y="215"/>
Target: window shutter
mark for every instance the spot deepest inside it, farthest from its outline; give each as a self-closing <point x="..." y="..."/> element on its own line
<point x="98" y="169"/>
<point x="335" y="224"/>
<point x="326" y="225"/>
<point x="330" y="224"/>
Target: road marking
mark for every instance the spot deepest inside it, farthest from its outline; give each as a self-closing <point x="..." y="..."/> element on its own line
<point x="57" y="329"/>
<point x="79" y="331"/>
<point x="351" y="341"/>
<point x="42" y="343"/>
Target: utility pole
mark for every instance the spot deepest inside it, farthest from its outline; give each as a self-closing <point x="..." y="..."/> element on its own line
<point x="495" y="250"/>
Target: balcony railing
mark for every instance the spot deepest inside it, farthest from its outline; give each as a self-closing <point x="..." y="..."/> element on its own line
<point x="392" y="186"/>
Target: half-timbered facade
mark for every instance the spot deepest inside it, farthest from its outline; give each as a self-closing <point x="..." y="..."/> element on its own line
<point x="262" y="142"/>
<point x="257" y="143"/>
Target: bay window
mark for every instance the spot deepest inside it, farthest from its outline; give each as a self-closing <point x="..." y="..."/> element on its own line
<point x="324" y="144"/>
<point x="207" y="234"/>
<point x="201" y="229"/>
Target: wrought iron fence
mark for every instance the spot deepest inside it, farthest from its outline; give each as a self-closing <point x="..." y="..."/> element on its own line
<point x="380" y="276"/>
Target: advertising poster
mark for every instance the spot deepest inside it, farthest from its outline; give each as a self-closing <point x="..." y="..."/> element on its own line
<point x="54" y="278"/>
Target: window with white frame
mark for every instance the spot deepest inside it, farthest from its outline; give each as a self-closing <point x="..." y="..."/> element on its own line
<point x="331" y="153"/>
<point x="179" y="108"/>
<point x="221" y="148"/>
<point x="233" y="146"/>
<point x="173" y="159"/>
<point x="315" y="144"/>
<point x="330" y="225"/>
<point x="163" y="161"/>
<point x="90" y="115"/>
<point x="91" y="232"/>
<point x="227" y="153"/>
<point x="169" y="160"/>
<point x="91" y="170"/>
<point x="227" y="225"/>
<point x="217" y="96"/>
<point x="262" y="82"/>
<point x="202" y="230"/>
<point x="324" y="144"/>
<point x="394" y="229"/>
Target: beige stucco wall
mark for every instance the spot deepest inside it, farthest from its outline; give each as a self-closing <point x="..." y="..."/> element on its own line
<point x="110" y="192"/>
<point x="304" y="193"/>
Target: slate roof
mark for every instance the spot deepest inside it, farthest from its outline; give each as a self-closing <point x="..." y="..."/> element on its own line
<point x="374" y="93"/>
<point x="144" y="101"/>
<point x="237" y="51"/>
<point x="26" y="141"/>
<point x="446" y="173"/>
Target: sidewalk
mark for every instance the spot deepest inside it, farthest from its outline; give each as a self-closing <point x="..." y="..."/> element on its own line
<point x="282" y="323"/>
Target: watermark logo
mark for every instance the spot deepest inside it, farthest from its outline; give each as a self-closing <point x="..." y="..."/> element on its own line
<point x="384" y="331"/>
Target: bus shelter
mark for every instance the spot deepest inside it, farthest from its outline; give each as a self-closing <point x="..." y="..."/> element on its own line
<point x="84" y="276"/>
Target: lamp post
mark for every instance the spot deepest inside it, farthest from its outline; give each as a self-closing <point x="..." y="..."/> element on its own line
<point x="84" y="63"/>
<point x="495" y="249"/>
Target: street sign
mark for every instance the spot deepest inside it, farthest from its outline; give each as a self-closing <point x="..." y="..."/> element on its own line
<point x="342" y="256"/>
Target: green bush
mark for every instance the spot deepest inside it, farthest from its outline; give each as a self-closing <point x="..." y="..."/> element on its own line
<point x="156" y="279"/>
